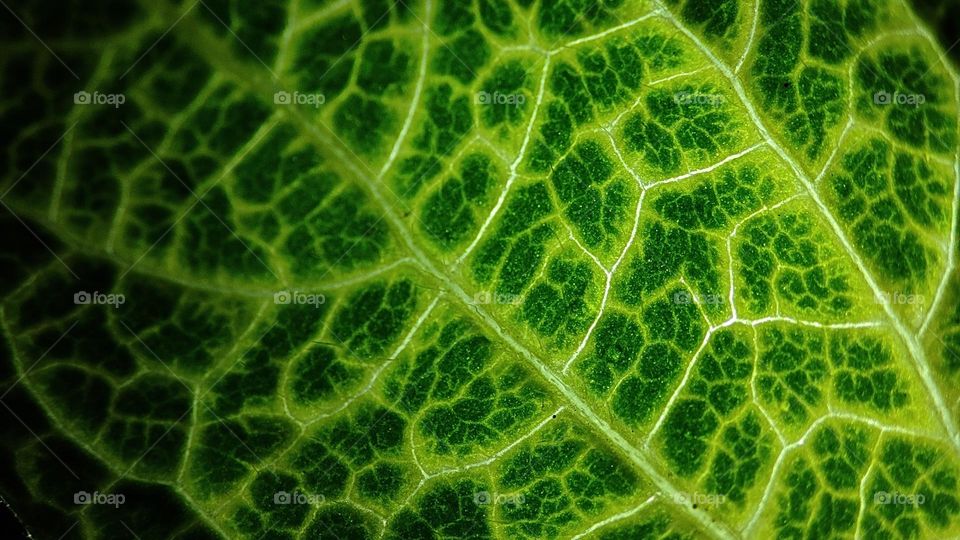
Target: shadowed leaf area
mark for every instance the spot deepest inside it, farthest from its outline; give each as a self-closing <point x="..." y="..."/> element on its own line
<point x="470" y="269"/>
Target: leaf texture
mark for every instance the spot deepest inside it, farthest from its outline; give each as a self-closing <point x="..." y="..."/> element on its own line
<point x="488" y="269"/>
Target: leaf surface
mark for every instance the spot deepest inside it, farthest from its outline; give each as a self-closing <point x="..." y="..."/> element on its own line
<point x="454" y="269"/>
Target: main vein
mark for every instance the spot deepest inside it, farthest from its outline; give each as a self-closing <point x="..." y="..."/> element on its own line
<point x="582" y="408"/>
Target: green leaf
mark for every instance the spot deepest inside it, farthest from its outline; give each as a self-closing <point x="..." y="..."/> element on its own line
<point x="448" y="269"/>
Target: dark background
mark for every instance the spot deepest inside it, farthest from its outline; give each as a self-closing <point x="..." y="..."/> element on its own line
<point x="942" y="16"/>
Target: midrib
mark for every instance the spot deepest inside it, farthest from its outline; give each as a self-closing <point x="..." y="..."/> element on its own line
<point x="332" y="143"/>
<point x="919" y="356"/>
<point x="212" y="50"/>
<point x="325" y="136"/>
<point x="548" y="374"/>
<point x="217" y="56"/>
